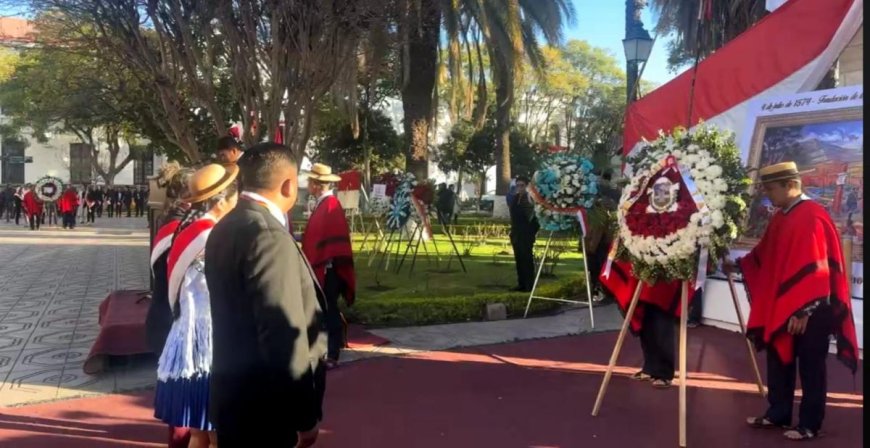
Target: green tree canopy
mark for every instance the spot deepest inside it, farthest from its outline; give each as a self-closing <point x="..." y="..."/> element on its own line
<point x="335" y="145"/>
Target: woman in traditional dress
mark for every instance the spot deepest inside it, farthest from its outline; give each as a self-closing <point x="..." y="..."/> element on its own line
<point x="181" y="398"/>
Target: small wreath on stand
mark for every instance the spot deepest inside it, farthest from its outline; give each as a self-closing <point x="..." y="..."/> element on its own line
<point x="400" y="207"/>
<point x="688" y="192"/>
<point x="48" y="188"/>
<point x="563" y="186"/>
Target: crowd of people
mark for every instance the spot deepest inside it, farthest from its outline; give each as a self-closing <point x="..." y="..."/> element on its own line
<point x="75" y="205"/>
<point x="245" y="321"/>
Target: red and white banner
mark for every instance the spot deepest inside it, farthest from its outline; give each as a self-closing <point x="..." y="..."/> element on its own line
<point x="788" y="51"/>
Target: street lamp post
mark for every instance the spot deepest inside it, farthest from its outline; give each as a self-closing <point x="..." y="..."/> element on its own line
<point x="637" y="45"/>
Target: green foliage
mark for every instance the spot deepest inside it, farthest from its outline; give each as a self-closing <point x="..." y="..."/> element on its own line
<point x="423" y="310"/>
<point x="729" y="18"/>
<point x="335" y="145"/>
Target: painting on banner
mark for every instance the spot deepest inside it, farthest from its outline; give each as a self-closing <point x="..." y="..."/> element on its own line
<point x="823" y="133"/>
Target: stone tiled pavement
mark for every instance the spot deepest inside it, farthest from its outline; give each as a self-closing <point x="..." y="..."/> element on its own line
<point x="52" y="282"/>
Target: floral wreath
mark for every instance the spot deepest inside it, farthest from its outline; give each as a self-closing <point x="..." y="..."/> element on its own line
<point x="48" y="188"/>
<point x="688" y="192"/>
<point x="378" y="206"/>
<point x="563" y="186"/>
<point x="400" y="208"/>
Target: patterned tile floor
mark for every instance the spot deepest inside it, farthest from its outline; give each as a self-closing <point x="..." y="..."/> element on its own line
<point x="51" y="284"/>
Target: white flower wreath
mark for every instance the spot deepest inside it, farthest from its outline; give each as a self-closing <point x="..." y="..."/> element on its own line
<point x="712" y="162"/>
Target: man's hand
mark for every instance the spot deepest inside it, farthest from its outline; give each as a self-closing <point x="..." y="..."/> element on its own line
<point x="729" y="266"/>
<point x="797" y="325"/>
<point x="307" y="438"/>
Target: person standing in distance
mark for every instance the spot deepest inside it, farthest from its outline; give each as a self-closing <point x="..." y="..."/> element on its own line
<point x="268" y="375"/>
<point x="524" y="227"/>
<point x="228" y="150"/>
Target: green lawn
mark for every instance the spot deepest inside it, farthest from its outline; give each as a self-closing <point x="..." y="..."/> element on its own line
<point x="438" y="291"/>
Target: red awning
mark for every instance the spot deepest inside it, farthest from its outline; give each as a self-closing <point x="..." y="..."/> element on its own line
<point x="788" y="51"/>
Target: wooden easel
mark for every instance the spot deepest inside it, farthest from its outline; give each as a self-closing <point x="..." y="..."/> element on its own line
<point x="554" y="299"/>
<point x="684" y="305"/>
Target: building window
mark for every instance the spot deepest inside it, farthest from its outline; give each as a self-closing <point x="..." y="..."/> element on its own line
<point x="80" y="156"/>
<point x="143" y="167"/>
<point x="12" y="158"/>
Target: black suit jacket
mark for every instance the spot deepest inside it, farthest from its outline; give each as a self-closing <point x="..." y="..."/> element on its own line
<point x="268" y="376"/>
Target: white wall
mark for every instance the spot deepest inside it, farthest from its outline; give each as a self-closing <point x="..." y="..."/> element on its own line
<point x="52" y="159"/>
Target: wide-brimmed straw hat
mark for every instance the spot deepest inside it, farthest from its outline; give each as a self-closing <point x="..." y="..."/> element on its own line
<point x="322" y="173"/>
<point x="209" y="181"/>
<point x="780" y="171"/>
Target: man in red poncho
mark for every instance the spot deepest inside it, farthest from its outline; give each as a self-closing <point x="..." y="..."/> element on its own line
<point x="799" y="296"/>
<point x="68" y="205"/>
<point x="653" y="321"/>
<point x="32" y="208"/>
<point x="326" y="243"/>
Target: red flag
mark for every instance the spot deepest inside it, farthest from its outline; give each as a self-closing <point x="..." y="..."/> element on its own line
<point x="279" y="134"/>
<point x="350" y="181"/>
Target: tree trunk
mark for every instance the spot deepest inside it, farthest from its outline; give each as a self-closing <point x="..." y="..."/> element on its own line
<point x="504" y="98"/>
<point x="422" y="30"/>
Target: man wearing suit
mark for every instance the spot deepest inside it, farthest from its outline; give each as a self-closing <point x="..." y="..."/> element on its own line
<point x="269" y="341"/>
<point x="524" y="227"/>
<point x="127" y="197"/>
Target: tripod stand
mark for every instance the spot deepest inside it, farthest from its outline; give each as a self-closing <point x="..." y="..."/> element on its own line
<point x="684" y="305"/>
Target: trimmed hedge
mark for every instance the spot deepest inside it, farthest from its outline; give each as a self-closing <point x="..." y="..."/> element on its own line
<point x="397" y="312"/>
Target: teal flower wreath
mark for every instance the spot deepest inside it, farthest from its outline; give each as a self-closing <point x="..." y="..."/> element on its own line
<point x="563" y="186"/>
<point x="400" y="208"/>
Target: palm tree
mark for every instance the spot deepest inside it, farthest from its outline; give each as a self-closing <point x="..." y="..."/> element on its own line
<point x="511" y="30"/>
<point x="508" y="29"/>
<point x="725" y="21"/>
<point x="419" y="26"/>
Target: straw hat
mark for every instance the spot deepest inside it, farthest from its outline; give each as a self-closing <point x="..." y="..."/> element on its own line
<point x="322" y="173"/>
<point x="208" y="181"/>
<point x="780" y="171"/>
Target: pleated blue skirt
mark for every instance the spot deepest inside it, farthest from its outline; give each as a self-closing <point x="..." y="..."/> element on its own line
<point x="183" y="402"/>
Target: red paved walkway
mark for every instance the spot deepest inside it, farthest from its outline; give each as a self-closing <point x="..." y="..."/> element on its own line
<point x="528" y="394"/>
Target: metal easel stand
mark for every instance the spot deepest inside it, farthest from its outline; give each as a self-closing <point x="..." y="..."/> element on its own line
<point x="684" y="306"/>
<point x="532" y="295"/>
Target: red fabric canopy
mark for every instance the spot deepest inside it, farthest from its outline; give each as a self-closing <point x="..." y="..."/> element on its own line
<point x="786" y="52"/>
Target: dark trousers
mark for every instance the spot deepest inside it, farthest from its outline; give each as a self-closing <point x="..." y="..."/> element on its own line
<point x="657" y="341"/>
<point x="335" y="328"/>
<point x="524" y="259"/>
<point x="90" y="212"/>
<point x="129" y="209"/>
<point x="100" y="209"/>
<point x="696" y="307"/>
<point x="17" y="212"/>
<point x="34" y="221"/>
<point x="597" y="260"/>
<point x="811" y="351"/>
<point x="69" y="220"/>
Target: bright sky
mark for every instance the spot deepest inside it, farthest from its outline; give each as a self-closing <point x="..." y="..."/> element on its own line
<point x="602" y="24"/>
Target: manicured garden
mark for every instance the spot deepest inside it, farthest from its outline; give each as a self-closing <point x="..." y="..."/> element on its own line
<point x="438" y="291"/>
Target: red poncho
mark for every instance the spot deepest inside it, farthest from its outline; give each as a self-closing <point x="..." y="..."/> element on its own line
<point x="31" y="204"/>
<point x="68" y="202"/>
<point x="621" y="284"/>
<point x="798" y="262"/>
<point x="326" y="238"/>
